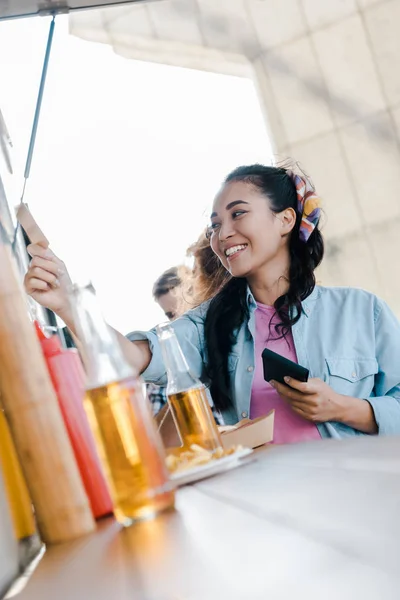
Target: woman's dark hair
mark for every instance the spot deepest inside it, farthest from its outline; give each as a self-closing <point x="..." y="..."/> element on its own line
<point x="229" y="308"/>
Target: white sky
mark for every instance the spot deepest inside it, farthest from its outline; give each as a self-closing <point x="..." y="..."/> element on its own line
<point x="128" y="157"/>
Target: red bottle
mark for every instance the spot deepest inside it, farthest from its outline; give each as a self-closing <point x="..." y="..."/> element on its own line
<point x="68" y="378"/>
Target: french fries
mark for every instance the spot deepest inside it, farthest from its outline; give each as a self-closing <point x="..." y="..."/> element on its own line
<point x="188" y="459"/>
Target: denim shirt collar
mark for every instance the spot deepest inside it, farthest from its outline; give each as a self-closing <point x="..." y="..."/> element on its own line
<point x="307" y="305"/>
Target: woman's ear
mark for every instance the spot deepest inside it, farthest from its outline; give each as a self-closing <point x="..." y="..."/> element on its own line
<point x="288" y="220"/>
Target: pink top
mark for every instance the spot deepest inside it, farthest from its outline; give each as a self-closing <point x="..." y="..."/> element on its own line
<point x="289" y="427"/>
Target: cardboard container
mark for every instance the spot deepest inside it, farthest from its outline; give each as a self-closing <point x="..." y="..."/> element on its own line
<point x="250" y="434"/>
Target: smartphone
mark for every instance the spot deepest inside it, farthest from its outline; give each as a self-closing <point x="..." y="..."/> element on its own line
<point x="277" y="367"/>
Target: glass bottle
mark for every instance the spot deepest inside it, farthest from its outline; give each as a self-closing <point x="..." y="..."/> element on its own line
<point x="126" y="436"/>
<point x="187" y="396"/>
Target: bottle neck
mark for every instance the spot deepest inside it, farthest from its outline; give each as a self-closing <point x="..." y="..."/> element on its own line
<point x="102" y="355"/>
<point x="179" y="376"/>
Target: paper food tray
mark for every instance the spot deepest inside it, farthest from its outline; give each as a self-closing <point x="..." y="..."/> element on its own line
<point x="247" y="433"/>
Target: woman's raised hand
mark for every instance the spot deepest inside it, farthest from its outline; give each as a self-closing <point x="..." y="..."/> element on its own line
<point x="48" y="281"/>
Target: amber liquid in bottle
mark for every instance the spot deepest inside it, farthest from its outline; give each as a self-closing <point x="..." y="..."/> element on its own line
<point x="194" y="419"/>
<point x="187" y="396"/>
<point x="134" y="464"/>
<point x="126" y="437"/>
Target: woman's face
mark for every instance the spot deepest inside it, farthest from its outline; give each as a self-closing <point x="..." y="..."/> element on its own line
<point x="245" y="234"/>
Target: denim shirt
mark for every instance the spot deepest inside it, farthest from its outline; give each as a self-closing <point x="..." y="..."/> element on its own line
<point x="347" y="337"/>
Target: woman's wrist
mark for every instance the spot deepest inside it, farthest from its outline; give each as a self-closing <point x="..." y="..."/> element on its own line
<point x="66" y="315"/>
<point x="355" y="413"/>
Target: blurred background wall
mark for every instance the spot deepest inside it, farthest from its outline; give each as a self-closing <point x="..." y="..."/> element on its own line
<point x="328" y="80"/>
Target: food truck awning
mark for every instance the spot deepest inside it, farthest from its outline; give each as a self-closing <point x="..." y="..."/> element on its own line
<point x="11" y="9"/>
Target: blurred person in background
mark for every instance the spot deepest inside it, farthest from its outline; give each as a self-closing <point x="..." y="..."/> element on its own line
<point x="170" y="291"/>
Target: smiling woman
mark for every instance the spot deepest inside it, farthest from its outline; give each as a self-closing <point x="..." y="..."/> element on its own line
<point x="265" y="231"/>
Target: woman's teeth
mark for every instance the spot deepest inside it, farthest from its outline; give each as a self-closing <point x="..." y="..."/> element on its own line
<point x="230" y="251"/>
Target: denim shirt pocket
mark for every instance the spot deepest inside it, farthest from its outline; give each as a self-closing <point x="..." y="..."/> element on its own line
<point x="352" y="376"/>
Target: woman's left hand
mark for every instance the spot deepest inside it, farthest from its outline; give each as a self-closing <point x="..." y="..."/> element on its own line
<point x="313" y="400"/>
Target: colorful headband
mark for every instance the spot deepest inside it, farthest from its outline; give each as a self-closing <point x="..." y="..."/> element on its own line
<point x="308" y="204"/>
